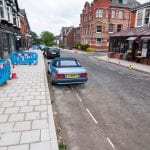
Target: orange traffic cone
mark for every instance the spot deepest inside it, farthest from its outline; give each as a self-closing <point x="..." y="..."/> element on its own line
<point x="14" y="74"/>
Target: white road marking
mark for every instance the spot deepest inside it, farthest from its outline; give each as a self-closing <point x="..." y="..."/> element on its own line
<point x="91" y="116"/>
<point x="79" y="97"/>
<point x="110" y="143"/>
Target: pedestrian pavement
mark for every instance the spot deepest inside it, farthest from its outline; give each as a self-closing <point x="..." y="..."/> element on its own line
<point x="125" y="63"/>
<point x="26" y="117"/>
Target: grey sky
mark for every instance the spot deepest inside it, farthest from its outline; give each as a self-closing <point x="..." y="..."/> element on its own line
<point x="51" y="15"/>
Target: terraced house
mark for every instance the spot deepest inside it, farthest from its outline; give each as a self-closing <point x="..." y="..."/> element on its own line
<point x="9" y="25"/>
<point x="102" y="18"/>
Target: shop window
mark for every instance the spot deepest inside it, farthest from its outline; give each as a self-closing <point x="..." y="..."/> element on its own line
<point x="119" y="27"/>
<point x="147" y="17"/>
<point x="99" y="13"/>
<point x="139" y="17"/>
<point x="99" y="29"/>
<point x="99" y="41"/>
<point x="111" y="28"/>
<point x="120" y="14"/>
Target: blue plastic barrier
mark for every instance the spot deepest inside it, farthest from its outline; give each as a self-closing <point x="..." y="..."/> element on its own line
<point x="24" y="58"/>
<point x="5" y="71"/>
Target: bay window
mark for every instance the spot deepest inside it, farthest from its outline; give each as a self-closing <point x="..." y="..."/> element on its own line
<point x="147" y="17"/>
<point x="3" y="10"/>
<point x="139" y="17"/>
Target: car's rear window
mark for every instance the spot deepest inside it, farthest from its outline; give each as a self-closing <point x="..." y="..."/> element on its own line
<point x="69" y="63"/>
<point x="53" y="49"/>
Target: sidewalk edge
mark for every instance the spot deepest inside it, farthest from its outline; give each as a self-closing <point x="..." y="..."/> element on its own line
<point x="53" y="135"/>
<point x="122" y="65"/>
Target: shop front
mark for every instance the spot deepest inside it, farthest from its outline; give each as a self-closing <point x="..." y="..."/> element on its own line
<point x="132" y="45"/>
<point x="8" y="41"/>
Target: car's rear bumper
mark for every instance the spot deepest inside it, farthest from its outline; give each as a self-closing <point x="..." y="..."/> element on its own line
<point x="70" y="81"/>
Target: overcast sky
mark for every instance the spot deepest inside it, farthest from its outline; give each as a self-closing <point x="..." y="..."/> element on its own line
<point x="51" y="15"/>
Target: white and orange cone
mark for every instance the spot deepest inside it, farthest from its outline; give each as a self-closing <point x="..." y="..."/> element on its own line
<point x="14" y="74"/>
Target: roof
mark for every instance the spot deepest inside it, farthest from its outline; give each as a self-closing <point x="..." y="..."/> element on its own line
<point x="65" y="58"/>
<point x="140" y="31"/>
<point x="65" y="30"/>
<point x="143" y="5"/>
<point x="131" y="4"/>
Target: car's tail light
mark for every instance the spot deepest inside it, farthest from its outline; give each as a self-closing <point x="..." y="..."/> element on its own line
<point x="83" y="75"/>
<point x="57" y="76"/>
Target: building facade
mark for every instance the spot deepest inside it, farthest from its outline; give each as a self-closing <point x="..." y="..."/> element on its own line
<point x="9" y="26"/>
<point x="70" y="36"/>
<point x="134" y="43"/>
<point x="25" y="41"/>
<point x="102" y="18"/>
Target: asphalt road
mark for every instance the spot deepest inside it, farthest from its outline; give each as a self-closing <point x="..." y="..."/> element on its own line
<point x="110" y="112"/>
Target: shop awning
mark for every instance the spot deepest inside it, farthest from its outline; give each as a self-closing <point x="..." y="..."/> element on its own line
<point x="131" y="38"/>
<point x="145" y="38"/>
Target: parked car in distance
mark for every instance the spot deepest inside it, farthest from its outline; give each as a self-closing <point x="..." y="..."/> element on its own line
<point x="66" y="70"/>
<point x="51" y="52"/>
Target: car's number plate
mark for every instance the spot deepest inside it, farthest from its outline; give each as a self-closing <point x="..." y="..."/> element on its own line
<point x="53" y="52"/>
<point x="72" y="75"/>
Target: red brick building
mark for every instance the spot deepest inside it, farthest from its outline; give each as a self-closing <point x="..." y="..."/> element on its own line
<point x="102" y="18"/>
<point x="25" y="42"/>
<point x="70" y="36"/>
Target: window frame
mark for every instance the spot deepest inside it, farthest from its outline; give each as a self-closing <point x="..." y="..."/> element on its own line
<point x="100" y="29"/>
<point x="99" y="13"/>
<point x="4" y="9"/>
<point x="120" y="14"/>
<point x="98" y="43"/>
<point x="148" y="9"/>
<point x="139" y="17"/>
<point x="112" y="28"/>
<point x="113" y="13"/>
<point x="119" y="28"/>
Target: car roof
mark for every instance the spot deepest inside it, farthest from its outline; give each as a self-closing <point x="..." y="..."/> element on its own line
<point x="65" y="58"/>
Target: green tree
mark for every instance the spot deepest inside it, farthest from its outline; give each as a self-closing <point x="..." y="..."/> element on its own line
<point x="35" y="38"/>
<point x="47" y="38"/>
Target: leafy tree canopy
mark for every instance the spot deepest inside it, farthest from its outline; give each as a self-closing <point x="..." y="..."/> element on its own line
<point x="47" y="38"/>
<point x="35" y="38"/>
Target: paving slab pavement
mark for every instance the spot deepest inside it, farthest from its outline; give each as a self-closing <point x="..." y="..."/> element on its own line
<point x="26" y="117"/>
